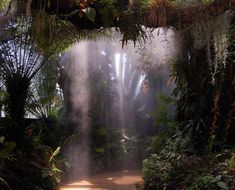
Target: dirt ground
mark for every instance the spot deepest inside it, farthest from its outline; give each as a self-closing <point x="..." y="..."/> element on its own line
<point x="121" y="180"/>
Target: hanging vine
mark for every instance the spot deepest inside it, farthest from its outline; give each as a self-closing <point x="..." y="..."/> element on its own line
<point x="215" y="35"/>
<point x="221" y="41"/>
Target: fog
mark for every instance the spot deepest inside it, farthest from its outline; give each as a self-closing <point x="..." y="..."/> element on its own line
<point x="131" y="76"/>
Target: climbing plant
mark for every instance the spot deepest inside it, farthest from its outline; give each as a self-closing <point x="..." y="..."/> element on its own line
<point x="204" y="80"/>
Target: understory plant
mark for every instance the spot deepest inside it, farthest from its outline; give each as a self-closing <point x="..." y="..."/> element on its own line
<point x="175" y="163"/>
<point x="39" y="163"/>
<point x="37" y="170"/>
<point x="175" y="166"/>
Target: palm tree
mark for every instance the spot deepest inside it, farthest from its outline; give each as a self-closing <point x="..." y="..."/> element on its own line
<point x="45" y="97"/>
<point x="20" y="61"/>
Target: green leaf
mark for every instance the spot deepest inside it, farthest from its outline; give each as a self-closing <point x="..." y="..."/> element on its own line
<point x="207" y="2"/>
<point x="2" y="139"/>
<point x="4" y="4"/>
<point x="55" y="153"/>
<point x="102" y="131"/>
<point x="9" y="146"/>
<point x="2" y="181"/>
<point x="56" y="170"/>
<point x="90" y="13"/>
<point x="218" y="178"/>
<point x="45" y="174"/>
<point x="99" y="150"/>
<point x="222" y="185"/>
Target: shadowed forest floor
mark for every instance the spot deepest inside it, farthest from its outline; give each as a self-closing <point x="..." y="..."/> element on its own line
<point x="120" y="180"/>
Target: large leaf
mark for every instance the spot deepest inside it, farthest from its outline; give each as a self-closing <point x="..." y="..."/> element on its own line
<point x="222" y="185"/>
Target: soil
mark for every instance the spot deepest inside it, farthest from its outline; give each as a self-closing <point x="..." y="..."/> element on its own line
<point x="120" y="180"/>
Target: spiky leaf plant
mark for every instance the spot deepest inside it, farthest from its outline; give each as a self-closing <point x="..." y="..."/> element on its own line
<point x="20" y="62"/>
<point x="45" y="98"/>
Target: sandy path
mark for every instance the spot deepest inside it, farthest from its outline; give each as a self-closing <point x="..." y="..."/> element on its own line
<point x="121" y="180"/>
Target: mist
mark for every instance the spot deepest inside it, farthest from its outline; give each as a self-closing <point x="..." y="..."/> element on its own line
<point x="123" y="72"/>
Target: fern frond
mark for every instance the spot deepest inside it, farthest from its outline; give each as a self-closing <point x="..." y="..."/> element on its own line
<point x="4" y="183"/>
<point x="54" y="154"/>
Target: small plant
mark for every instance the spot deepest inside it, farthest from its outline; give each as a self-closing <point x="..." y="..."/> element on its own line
<point x="164" y="112"/>
<point x="177" y="170"/>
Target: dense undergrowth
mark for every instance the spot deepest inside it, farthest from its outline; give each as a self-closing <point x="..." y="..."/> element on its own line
<point x="175" y="163"/>
<point x="37" y="163"/>
<point x="197" y="150"/>
<point x="175" y="166"/>
<point x="194" y="149"/>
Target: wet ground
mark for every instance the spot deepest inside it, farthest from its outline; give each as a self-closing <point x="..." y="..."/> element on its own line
<point x="121" y="180"/>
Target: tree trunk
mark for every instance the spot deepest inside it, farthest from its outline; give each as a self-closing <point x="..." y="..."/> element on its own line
<point x="17" y="88"/>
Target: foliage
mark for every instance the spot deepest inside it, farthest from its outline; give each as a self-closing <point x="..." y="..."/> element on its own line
<point x="106" y="150"/>
<point x="112" y="144"/>
<point x="107" y="11"/>
<point x="200" y="94"/>
<point x="39" y="161"/>
<point x="165" y="120"/>
<point x="4" y="184"/>
<point x="164" y="113"/>
<point x="51" y="31"/>
<point x="172" y="167"/>
<point x="6" y="148"/>
<point x="130" y="29"/>
<point x="216" y="34"/>
<point x="105" y="136"/>
<point x="45" y="98"/>
<point x="204" y="93"/>
<point x="52" y="34"/>
<point x="118" y="148"/>
<point x="21" y="60"/>
<point x="34" y="168"/>
<point x="193" y="2"/>
<point x="4" y="4"/>
<point x="173" y="163"/>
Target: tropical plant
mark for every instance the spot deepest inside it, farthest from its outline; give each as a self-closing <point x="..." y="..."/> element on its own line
<point x="201" y="94"/>
<point x="173" y="167"/>
<point x="42" y="169"/>
<point x="6" y="148"/>
<point x="164" y="111"/>
<point x="45" y="97"/>
<point x="20" y="62"/>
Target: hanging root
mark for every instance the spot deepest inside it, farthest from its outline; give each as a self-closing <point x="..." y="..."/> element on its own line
<point x="158" y="12"/>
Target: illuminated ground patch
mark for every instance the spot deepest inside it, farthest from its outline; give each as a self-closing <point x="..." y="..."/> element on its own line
<point x="122" y="180"/>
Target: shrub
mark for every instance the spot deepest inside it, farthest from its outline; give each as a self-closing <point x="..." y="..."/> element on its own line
<point x="31" y="171"/>
<point x="174" y="168"/>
